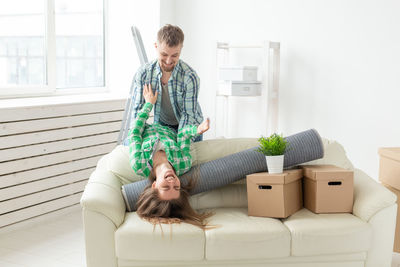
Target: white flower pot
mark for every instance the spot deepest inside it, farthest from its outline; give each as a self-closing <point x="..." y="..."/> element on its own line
<point x="275" y="164"/>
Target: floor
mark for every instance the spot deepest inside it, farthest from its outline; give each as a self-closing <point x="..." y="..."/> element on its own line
<point x="55" y="241"/>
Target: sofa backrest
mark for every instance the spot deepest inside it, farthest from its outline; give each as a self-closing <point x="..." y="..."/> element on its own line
<point x="234" y="195"/>
<point x="118" y="160"/>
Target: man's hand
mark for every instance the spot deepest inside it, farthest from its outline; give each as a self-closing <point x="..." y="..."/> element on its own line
<point x="148" y="94"/>
<point x="204" y="126"/>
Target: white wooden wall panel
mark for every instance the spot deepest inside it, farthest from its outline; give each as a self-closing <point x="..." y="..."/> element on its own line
<point x="44" y="184"/>
<point x="34" y="211"/>
<point x="60" y="122"/>
<point x="62" y="110"/>
<point x="45" y="172"/>
<point x="54" y="158"/>
<point x="57" y="146"/>
<point x="47" y="154"/>
<point x="54" y="135"/>
<point x="40" y="197"/>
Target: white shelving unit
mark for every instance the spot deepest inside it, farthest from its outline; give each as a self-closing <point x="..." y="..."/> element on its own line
<point x="269" y="70"/>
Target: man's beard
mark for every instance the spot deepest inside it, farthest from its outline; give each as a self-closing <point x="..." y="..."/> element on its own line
<point x="167" y="69"/>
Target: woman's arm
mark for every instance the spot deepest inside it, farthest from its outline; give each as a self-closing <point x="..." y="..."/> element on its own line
<point x="186" y="133"/>
<point x="137" y="158"/>
<point x="184" y="138"/>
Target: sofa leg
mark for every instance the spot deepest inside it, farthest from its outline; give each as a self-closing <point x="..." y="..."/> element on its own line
<point x="383" y="224"/>
<point x="99" y="240"/>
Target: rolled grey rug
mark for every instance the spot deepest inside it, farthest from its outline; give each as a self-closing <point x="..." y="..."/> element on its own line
<point x="302" y="147"/>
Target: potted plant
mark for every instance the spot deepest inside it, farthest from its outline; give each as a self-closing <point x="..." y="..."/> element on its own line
<point x="273" y="147"/>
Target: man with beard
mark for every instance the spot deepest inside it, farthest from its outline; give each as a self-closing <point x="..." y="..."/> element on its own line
<point x="175" y="81"/>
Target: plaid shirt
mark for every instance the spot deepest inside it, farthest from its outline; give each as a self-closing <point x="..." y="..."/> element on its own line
<point x="183" y="88"/>
<point x="143" y="139"/>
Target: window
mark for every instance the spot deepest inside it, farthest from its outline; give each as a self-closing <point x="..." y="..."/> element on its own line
<point x="22" y="43"/>
<point x="51" y="46"/>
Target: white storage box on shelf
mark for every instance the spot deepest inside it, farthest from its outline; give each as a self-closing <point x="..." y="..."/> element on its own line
<point x="239" y="88"/>
<point x="238" y="73"/>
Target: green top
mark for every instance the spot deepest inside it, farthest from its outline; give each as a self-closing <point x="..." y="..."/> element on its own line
<point x="143" y="139"/>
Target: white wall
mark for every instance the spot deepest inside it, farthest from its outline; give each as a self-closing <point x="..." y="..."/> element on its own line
<point x="340" y="63"/>
<point x="167" y="12"/>
<point x="123" y="58"/>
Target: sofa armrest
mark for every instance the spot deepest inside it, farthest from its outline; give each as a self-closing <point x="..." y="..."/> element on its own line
<point x="103" y="195"/>
<point x="370" y="197"/>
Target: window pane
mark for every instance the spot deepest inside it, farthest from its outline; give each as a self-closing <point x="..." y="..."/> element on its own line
<point x="22" y="42"/>
<point x="79" y="43"/>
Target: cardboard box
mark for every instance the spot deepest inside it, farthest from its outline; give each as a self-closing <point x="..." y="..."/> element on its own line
<point x="389" y="175"/>
<point x="327" y="189"/>
<point x="274" y="195"/>
<point x="396" y="246"/>
<point x="389" y="166"/>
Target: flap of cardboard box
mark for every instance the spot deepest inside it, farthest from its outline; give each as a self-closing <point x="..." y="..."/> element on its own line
<point x="390" y="152"/>
<point x="286" y="177"/>
<point x="326" y="173"/>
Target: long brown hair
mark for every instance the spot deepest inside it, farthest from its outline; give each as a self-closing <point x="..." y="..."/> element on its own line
<point x="150" y="207"/>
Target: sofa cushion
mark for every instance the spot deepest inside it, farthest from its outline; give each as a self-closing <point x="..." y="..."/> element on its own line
<point x="118" y="160"/>
<point x="118" y="164"/>
<point x="229" y="196"/>
<point x="243" y="237"/>
<point x="369" y="196"/>
<point x="137" y="239"/>
<point x="319" y="234"/>
<point x="334" y="154"/>
<point x="217" y="148"/>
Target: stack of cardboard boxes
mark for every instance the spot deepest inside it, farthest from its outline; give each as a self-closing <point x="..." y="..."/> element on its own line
<point x="389" y="175"/>
<point x="326" y="188"/>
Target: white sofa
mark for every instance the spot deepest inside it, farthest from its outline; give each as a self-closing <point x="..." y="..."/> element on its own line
<point x="115" y="237"/>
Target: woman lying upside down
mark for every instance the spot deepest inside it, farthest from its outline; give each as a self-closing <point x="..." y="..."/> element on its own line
<point x="161" y="154"/>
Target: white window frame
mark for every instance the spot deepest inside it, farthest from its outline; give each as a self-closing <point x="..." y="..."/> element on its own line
<point x="50" y="89"/>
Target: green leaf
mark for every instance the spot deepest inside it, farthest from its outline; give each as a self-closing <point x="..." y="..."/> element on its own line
<point x="274" y="145"/>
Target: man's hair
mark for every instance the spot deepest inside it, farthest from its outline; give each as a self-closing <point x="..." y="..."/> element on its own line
<point x="171" y="35"/>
